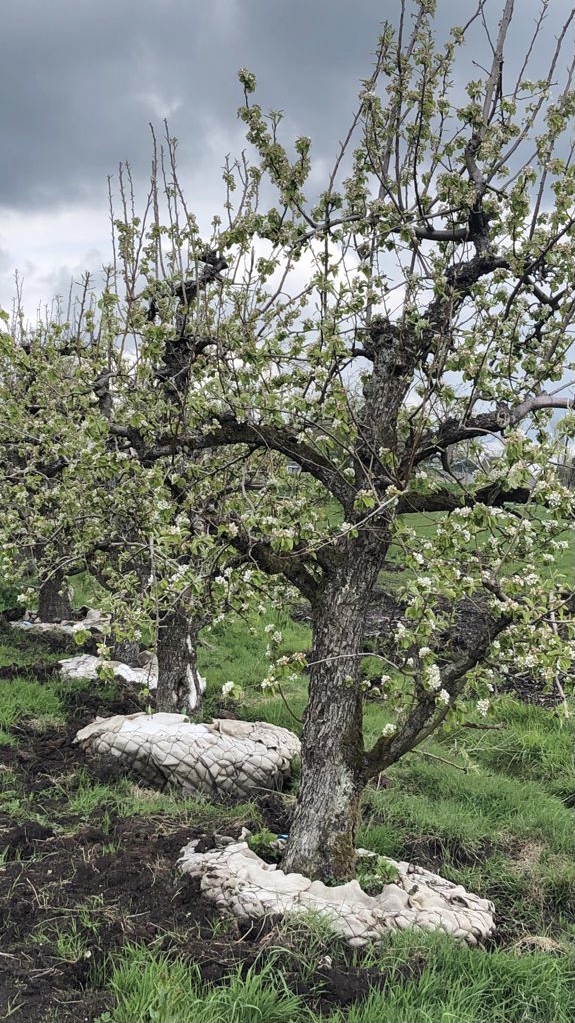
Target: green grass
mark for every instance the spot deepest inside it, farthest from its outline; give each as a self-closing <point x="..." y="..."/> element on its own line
<point x="531" y="744"/>
<point x="462" y="985"/>
<point x="157" y="988"/>
<point x="444" y="983"/>
<point x="23" y="697"/>
<point x="85" y="796"/>
<point x="236" y="648"/>
<point x="500" y="827"/>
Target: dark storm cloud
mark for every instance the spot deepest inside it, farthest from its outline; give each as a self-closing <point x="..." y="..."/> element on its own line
<point x="80" y="80"/>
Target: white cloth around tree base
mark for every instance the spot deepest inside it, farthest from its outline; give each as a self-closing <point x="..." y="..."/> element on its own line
<point x="93" y="622"/>
<point x="87" y="665"/>
<point x="226" y="758"/>
<point x="241" y="883"/>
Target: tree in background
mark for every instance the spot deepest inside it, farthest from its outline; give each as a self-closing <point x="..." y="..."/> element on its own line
<point x="77" y="498"/>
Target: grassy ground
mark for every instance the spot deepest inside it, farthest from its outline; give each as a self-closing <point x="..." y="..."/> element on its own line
<point x="97" y="926"/>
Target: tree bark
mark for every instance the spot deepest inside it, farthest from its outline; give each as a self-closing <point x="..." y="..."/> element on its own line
<point x="53" y="599"/>
<point x="180" y="687"/>
<point x="125" y="650"/>
<point x="322" y="837"/>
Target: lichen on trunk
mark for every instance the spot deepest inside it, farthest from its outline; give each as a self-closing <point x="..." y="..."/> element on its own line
<point x="323" y="835"/>
<point x="180" y="686"/>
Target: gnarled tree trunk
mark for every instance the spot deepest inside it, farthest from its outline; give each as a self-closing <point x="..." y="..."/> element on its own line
<point x="125" y="650"/>
<point x="322" y="836"/>
<point x="53" y="599"/>
<point x="179" y="686"/>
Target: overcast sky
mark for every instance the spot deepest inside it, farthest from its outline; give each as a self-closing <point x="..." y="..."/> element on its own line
<point x="80" y="80"/>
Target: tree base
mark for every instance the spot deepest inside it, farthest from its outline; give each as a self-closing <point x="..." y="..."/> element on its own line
<point x="240" y="882"/>
<point x="226" y="759"/>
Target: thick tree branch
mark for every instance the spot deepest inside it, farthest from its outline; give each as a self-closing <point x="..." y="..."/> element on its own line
<point x="453" y="430"/>
<point x="273" y="438"/>
<point x="495" y="495"/>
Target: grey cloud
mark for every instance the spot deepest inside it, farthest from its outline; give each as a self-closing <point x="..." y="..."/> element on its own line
<point x="81" y="80"/>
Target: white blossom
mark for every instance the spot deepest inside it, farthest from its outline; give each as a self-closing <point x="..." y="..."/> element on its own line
<point x="443" y="696"/>
<point x="483" y="707"/>
<point x="432" y="677"/>
<point x="388" y="730"/>
<point x="228" y="688"/>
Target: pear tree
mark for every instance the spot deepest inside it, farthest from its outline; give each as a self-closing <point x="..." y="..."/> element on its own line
<point x="296" y="376"/>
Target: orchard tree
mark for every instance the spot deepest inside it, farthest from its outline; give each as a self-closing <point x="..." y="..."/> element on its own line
<point x="77" y="497"/>
<point x="17" y="380"/>
<point x="436" y="269"/>
<point x="421" y="301"/>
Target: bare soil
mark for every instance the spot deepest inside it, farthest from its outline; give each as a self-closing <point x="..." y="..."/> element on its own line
<point x="108" y="881"/>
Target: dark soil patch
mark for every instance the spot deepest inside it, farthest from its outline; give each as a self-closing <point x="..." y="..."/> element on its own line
<point x="277" y="811"/>
<point x="41" y="672"/>
<point x="77" y="900"/>
<point x="526" y="688"/>
<point x="63" y="644"/>
<point x="343" y="984"/>
<point x="74" y="891"/>
<point x="117" y="697"/>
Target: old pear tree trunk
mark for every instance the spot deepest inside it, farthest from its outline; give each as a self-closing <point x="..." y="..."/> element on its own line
<point x="180" y="686"/>
<point x="323" y="833"/>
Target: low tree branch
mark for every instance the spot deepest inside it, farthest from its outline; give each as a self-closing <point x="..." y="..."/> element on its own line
<point x="274" y="438"/>
<point x="426" y="715"/>
<point x="495" y="495"/>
